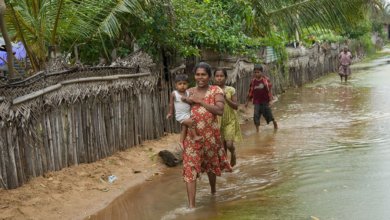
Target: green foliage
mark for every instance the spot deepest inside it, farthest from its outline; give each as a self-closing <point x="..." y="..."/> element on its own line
<point x="366" y="43"/>
<point x="190" y="26"/>
<point x="210" y="26"/>
<point x="181" y="27"/>
<point x="358" y="30"/>
<point x="91" y="53"/>
<point x="242" y="27"/>
<point x="43" y="23"/>
<point x="377" y="26"/>
<point x="330" y="37"/>
<point x="293" y="15"/>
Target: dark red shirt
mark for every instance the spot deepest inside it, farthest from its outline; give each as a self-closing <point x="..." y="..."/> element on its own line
<point x="261" y="91"/>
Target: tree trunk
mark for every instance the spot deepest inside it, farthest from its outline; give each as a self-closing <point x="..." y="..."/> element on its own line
<point x="7" y="41"/>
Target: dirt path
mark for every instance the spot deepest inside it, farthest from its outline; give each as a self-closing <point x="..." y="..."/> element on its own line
<point x="79" y="191"/>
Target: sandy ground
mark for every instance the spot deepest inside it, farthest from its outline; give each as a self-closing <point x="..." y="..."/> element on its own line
<point x="79" y="191"/>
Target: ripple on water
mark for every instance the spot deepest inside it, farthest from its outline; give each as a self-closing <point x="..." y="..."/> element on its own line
<point x="174" y="214"/>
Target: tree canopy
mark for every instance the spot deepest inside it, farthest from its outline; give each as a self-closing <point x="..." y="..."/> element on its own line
<point x="184" y="27"/>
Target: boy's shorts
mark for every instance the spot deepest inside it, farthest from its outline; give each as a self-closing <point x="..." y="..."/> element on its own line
<point x="262" y="110"/>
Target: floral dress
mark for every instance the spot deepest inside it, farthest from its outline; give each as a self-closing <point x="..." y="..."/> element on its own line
<point x="206" y="155"/>
<point x="230" y="127"/>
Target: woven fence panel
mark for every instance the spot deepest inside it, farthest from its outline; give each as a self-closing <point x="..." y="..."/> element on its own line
<point x="78" y="122"/>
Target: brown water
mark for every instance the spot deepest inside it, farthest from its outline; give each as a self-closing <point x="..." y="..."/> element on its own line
<point x="330" y="159"/>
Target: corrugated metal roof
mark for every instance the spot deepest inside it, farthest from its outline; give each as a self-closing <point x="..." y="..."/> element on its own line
<point x="271" y="56"/>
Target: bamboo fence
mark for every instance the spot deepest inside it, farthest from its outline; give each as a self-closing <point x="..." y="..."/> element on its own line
<point x="52" y="121"/>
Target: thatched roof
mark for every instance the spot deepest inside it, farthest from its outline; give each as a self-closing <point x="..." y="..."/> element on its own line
<point x="139" y="60"/>
<point x="241" y="68"/>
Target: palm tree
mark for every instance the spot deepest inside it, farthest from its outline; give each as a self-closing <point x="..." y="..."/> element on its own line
<point x="41" y="24"/>
<point x="295" y="15"/>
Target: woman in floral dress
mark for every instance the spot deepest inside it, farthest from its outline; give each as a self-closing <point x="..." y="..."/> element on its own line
<point x="205" y="155"/>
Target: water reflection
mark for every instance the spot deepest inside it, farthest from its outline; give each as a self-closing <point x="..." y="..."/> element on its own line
<point x="330" y="160"/>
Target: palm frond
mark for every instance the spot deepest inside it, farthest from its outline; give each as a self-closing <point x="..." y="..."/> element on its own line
<point x="47" y="22"/>
<point x="295" y="15"/>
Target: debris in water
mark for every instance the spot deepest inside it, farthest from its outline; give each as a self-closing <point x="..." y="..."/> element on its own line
<point x="112" y="178"/>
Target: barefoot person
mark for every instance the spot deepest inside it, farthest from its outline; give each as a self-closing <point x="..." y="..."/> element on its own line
<point x="260" y="93"/>
<point x="206" y="155"/>
<point x="230" y="127"/>
<point x="345" y="59"/>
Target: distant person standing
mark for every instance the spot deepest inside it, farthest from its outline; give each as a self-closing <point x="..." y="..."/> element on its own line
<point x="260" y="93"/>
<point x="345" y="59"/>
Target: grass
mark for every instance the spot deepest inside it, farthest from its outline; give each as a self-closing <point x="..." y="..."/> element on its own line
<point x="378" y="54"/>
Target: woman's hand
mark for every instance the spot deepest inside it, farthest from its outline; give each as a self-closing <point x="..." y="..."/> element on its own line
<point x="227" y="96"/>
<point x="185" y="99"/>
<point x="194" y="99"/>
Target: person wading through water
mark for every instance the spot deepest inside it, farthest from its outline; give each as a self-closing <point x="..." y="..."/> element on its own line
<point x="205" y="155"/>
<point x="260" y="93"/>
<point x="345" y="59"/>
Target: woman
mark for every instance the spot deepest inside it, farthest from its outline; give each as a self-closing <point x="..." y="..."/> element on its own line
<point x="205" y="155"/>
<point x="230" y="127"/>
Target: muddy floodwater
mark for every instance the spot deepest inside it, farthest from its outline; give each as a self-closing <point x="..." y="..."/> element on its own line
<point x="330" y="159"/>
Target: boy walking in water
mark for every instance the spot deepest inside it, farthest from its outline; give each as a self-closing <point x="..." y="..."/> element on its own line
<point x="260" y="93"/>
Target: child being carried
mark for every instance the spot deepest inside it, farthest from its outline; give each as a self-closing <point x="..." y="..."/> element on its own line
<point x="182" y="109"/>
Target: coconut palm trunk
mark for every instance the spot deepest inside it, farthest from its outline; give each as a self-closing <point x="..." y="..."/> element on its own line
<point x="7" y="41"/>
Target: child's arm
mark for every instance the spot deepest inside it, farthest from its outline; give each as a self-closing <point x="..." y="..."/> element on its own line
<point x="171" y="107"/>
<point x="186" y="99"/>
<point x="250" y="94"/>
<point x="268" y="86"/>
<point x="247" y="101"/>
<point x="232" y="102"/>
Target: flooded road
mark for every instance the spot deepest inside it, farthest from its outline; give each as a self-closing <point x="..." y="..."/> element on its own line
<point x="330" y="159"/>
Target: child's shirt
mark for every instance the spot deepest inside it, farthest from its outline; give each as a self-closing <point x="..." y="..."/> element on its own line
<point x="182" y="109"/>
<point x="261" y="91"/>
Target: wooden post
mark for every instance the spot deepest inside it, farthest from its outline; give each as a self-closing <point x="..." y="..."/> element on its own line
<point x="12" y="168"/>
<point x="3" y="160"/>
